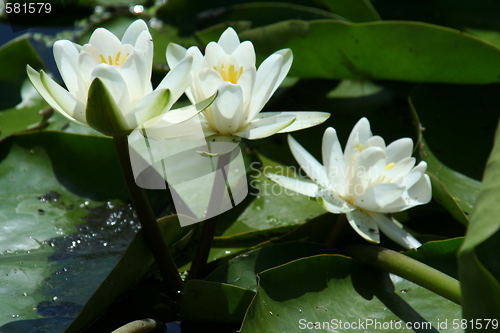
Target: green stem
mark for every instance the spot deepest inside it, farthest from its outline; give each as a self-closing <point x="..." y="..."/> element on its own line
<point x="210" y="225"/>
<point x="409" y="269"/>
<point x="150" y="228"/>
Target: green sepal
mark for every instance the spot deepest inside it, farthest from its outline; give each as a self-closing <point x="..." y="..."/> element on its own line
<point x="159" y="107"/>
<point x="102" y="112"/>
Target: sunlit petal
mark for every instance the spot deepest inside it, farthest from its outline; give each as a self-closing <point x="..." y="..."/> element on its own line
<point x="395" y="232"/>
<point x="364" y="225"/>
<point x="311" y="166"/>
<point x="296" y="185"/>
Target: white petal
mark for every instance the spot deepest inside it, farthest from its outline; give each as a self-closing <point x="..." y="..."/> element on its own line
<point x="190" y="126"/>
<point x="187" y="112"/>
<point x="205" y="83"/>
<point x="267" y="75"/>
<point x="64" y="100"/>
<point x="421" y="192"/>
<point x="66" y="57"/>
<point x="303" y="187"/>
<point x="333" y="160"/>
<point x="396" y="173"/>
<point x="264" y="126"/>
<point x="285" y="67"/>
<point x="35" y="79"/>
<point x="377" y="197"/>
<point x="87" y="61"/>
<point x="359" y="135"/>
<point x="368" y="166"/>
<point x="133" y="32"/>
<point x="375" y="141"/>
<point x="105" y="41"/>
<point x="187" y="131"/>
<point x="392" y="230"/>
<point x="364" y="225"/>
<point x="177" y="79"/>
<point x="207" y="129"/>
<point x="418" y="194"/>
<point x="227" y="110"/>
<point x="118" y="89"/>
<point x="132" y="71"/>
<point x="333" y="203"/>
<point x="175" y="53"/>
<point x="311" y="166"/>
<point x="399" y="150"/>
<point x="213" y="53"/>
<point x="305" y="120"/>
<point x="414" y="175"/>
<point x="229" y="40"/>
<point x="245" y="54"/>
<point x="144" y="44"/>
<point x="247" y="82"/>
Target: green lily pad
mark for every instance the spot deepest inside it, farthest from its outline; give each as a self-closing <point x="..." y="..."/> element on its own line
<point x="39" y="219"/>
<point x="13" y="59"/>
<point x="70" y="155"/>
<point x="454" y="191"/>
<point x="268" y="204"/>
<point x="448" y="111"/>
<point x="252" y="14"/>
<point x="190" y="15"/>
<point x="242" y="270"/>
<point x="326" y="291"/>
<point x="479" y="269"/>
<point x="412" y="51"/>
<point x="354" y="10"/>
<point x="135" y="262"/>
<point x="480" y="14"/>
<point x="228" y="302"/>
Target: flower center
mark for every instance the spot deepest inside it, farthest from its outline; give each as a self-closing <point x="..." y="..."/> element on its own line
<point x="118" y="60"/>
<point x="230" y="73"/>
<point x="359" y="147"/>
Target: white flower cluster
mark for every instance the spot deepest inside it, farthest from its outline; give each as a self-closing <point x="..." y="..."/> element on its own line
<point x="367" y="181"/>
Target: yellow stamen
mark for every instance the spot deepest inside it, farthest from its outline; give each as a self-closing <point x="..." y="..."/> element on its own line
<point x="389" y="166"/>
<point x="231" y="74"/>
<point x="359" y="147"/>
<point x="118" y="61"/>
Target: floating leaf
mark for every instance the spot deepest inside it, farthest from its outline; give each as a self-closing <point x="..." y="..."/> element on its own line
<point x="228" y="303"/>
<point x="411" y="51"/>
<point x="268" y="204"/>
<point x="135" y="262"/>
<point x="42" y="241"/>
<point x="479" y="270"/>
<point x="13" y="59"/>
<point x="354" y="10"/>
<point x="319" y="292"/>
<point x="242" y="270"/>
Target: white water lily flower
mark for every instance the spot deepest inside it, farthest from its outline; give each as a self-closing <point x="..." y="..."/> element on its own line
<point x="367" y="181"/>
<point x="229" y="68"/>
<point x="109" y="81"/>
